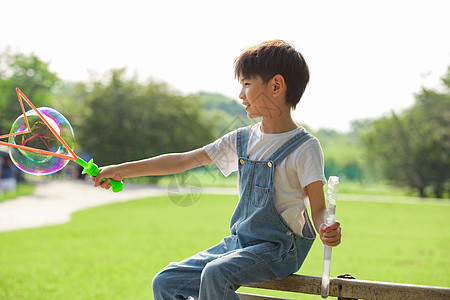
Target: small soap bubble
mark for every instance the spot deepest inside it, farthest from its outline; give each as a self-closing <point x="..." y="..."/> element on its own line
<point x="41" y="137"/>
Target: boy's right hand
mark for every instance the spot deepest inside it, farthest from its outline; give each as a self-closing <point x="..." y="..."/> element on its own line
<point x="107" y="173"/>
<point x="331" y="234"/>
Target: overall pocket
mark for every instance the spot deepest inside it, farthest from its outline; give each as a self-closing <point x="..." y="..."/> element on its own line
<point x="260" y="196"/>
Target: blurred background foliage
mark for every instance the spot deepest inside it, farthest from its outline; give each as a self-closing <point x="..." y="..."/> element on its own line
<point x="117" y="119"/>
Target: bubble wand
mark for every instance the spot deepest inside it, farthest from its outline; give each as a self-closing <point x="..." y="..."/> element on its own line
<point x="29" y="141"/>
<point x="332" y="191"/>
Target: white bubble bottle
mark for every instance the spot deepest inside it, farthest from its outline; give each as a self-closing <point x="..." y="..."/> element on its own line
<point x="333" y="184"/>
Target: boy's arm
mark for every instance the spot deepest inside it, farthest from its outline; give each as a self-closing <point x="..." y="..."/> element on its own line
<point x="330" y="235"/>
<point x="160" y="165"/>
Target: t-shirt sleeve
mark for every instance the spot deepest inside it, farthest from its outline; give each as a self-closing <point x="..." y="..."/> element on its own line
<point x="223" y="153"/>
<point x="310" y="164"/>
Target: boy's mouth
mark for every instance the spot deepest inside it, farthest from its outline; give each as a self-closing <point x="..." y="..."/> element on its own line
<point x="247" y="105"/>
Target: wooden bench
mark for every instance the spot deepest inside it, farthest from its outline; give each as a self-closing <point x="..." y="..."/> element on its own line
<point x="346" y="288"/>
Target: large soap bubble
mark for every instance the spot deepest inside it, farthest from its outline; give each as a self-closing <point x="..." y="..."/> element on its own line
<point x="41" y="137"/>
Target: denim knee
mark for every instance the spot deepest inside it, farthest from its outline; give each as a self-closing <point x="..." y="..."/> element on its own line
<point x="215" y="274"/>
<point x="158" y="286"/>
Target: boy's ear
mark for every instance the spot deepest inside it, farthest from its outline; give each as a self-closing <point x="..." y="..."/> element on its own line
<point x="278" y="85"/>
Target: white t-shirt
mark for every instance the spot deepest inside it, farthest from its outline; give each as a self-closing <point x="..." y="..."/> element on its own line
<point x="300" y="168"/>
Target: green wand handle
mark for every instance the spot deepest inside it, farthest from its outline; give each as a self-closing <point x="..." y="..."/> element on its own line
<point x="93" y="170"/>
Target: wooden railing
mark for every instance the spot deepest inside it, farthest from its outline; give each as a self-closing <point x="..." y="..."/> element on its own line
<point x="345" y="288"/>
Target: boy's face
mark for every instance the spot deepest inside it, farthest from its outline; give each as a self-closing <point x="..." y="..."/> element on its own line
<point x="257" y="97"/>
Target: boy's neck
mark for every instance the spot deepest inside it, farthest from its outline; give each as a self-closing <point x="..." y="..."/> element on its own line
<point x="279" y="124"/>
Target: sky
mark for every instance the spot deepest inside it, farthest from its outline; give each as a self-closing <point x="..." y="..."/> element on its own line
<point x="366" y="58"/>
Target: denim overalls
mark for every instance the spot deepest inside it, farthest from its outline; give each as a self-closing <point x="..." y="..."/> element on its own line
<point x="261" y="246"/>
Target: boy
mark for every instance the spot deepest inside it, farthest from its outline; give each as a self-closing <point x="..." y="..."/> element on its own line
<point x="280" y="168"/>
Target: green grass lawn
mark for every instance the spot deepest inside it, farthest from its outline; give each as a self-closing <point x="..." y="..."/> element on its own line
<point x="113" y="251"/>
<point x="23" y="188"/>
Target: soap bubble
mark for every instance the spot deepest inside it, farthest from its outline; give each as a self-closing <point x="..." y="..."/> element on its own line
<point x="41" y="138"/>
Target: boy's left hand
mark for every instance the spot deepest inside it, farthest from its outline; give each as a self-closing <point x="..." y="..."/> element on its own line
<point x="330" y="235"/>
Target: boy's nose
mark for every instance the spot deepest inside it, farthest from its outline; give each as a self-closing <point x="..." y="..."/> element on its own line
<point x="242" y="94"/>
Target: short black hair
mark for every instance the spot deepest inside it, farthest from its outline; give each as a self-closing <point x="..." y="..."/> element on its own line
<point x="271" y="58"/>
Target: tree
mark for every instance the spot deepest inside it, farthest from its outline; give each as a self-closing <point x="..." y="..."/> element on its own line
<point x="341" y="153"/>
<point x="432" y="112"/>
<point x="390" y="150"/>
<point x="32" y="76"/>
<point x="412" y="149"/>
<point x="125" y="120"/>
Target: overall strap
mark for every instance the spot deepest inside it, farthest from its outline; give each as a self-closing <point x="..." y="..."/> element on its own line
<point x="289" y="146"/>
<point x="242" y="141"/>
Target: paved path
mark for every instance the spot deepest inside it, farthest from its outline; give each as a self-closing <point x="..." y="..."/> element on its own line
<point x="53" y="202"/>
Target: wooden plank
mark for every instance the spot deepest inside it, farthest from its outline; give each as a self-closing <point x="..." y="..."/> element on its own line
<point x="245" y="296"/>
<point x="362" y="289"/>
<point x="357" y="289"/>
<point x="294" y="283"/>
